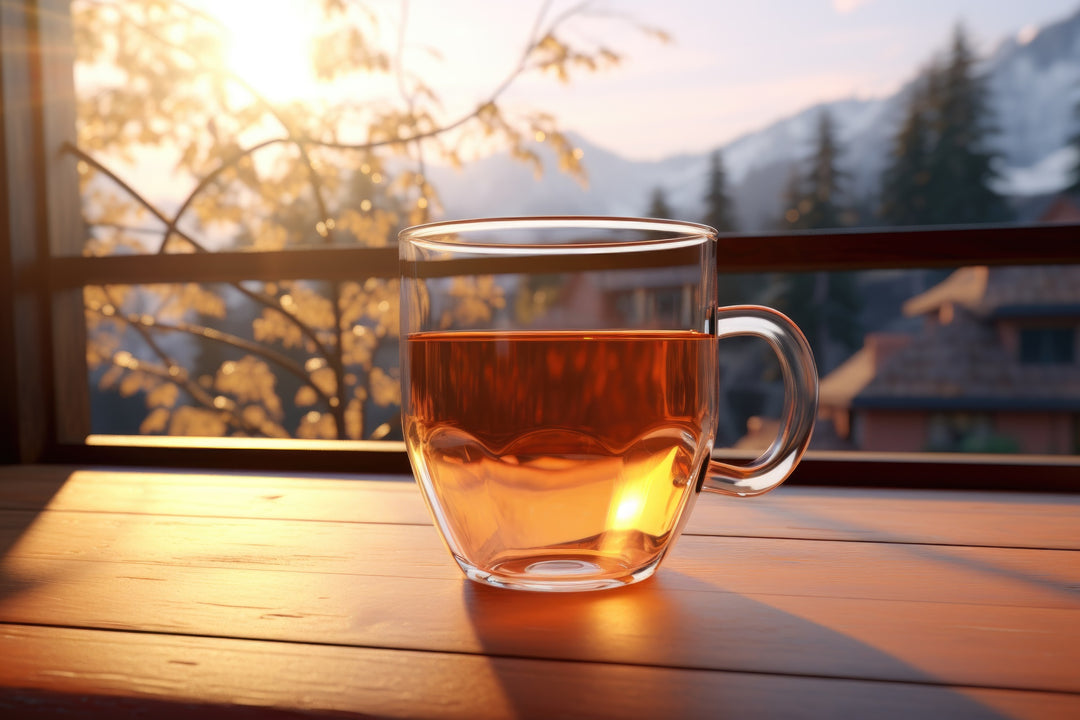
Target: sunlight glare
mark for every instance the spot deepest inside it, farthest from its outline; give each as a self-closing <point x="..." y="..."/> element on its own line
<point x="630" y="509"/>
<point x="270" y="45"/>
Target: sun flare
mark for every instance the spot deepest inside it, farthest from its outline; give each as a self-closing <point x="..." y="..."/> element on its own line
<point x="269" y="45"/>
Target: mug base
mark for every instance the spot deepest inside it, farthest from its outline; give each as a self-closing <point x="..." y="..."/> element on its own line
<point x="558" y="574"/>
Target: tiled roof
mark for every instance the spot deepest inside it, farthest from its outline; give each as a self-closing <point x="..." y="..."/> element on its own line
<point x="1039" y="285"/>
<point x="984" y="290"/>
<point x="961" y="361"/>
<point x="842" y="385"/>
<point x="966" y="287"/>
<point x="964" y="363"/>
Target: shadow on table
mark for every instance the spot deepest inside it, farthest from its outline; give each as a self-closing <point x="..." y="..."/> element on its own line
<point x="22" y="703"/>
<point x="947" y="554"/>
<point x="654" y="649"/>
<point x="24" y="495"/>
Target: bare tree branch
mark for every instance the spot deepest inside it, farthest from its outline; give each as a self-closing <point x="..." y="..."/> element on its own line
<point x="181" y="379"/>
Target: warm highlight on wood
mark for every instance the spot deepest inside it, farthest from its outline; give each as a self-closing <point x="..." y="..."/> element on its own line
<point x="171" y="593"/>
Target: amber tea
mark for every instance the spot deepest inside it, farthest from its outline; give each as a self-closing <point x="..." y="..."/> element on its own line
<point x="560" y="453"/>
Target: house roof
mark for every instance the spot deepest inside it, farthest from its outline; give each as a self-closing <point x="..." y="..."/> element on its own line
<point x="1046" y="207"/>
<point x="1001" y="290"/>
<point x="964" y="365"/>
<point x="965" y="287"/>
<point x="842" y="385"/>
<point x="1034" y="286"/>
<point x="839" y="388"/>
<point x="960" y="359"/>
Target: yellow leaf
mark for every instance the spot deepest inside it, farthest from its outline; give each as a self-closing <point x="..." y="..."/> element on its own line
<point x="203" y="301"/>
<point x="305" y="396"/>
<point x="111" y="376"/>
<point x="163" y="396"/>
<point x="477" y="298"/>
<point x="325" y="380"/>
<point x="250" y="380"/>
<point x="316" y="425"/>
<point x="131" y="384"/>
<point x="385" y="390"/>
<point x="357" y="346"/>
<point x="273" y="326"/>
<point x="309" y="307"/>
<point x="271" y="237"/>
<point x="254" y="414"/>
<point x="155" y="422"/>
<point x="188" y="420"/>
<point x="354" y="419"/>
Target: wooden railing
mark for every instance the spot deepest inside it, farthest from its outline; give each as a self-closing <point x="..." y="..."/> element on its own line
<point x="842" y="250"/>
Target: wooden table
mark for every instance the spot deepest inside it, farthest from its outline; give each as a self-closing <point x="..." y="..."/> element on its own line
<point x="175" y="593"/>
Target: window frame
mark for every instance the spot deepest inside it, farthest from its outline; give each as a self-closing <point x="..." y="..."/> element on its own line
<point x="43" y="378"/>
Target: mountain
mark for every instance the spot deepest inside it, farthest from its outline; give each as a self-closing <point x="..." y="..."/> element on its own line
<point x="1034" y="88"/>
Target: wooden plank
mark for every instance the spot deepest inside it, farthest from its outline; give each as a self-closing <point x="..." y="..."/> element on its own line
<point x="681" y="618"/>
<point x="939" y="471"/>
<point x="390" y="499"/>
<point x="236" y="454"/>
<point x="60" y="670"/>
<point x="937" y="517"/>
<point x="878" y="515"/>
<point x="344" y="263"/>
<point x="916" y="573"/>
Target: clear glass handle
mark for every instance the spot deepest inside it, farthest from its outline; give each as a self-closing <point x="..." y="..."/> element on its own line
<point x="800" y="401"/>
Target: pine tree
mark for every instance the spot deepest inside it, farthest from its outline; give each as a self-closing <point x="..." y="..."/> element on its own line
<point x="731" y="289"/>
<point x="813" y="200"/>
<point x="793" y="203"/>
<point x="941" y="168"/>
<point x="905" y="198"/>
<point x="961" y="160"/>
<point x="823" y="180"/>
<point x="824" y="305"/>
<point x="718" y="211"/>
<point x="658" y="205"/>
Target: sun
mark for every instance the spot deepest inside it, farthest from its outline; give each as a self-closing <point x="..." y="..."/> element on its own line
<point x="269" y="45"/>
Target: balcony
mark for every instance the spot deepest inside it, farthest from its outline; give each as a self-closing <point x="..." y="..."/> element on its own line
<point x="241" y="576"/>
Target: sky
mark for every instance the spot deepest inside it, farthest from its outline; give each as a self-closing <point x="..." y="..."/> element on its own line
<point x="731" y="67"/>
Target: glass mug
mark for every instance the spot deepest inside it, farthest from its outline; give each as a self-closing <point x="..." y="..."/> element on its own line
<point x="560" y="392"/>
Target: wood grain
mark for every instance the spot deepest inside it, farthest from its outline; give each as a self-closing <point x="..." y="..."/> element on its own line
<point x="947" y="592"/>
<point x="778" y="252"/>
<point x="880" y="571"/>
<point x="71" y="669"/>
<point x="992" y="519"/>
<point x="676" y="619"/>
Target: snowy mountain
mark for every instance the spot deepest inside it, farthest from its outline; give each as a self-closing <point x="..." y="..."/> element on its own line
<point x="1034" y="88"/>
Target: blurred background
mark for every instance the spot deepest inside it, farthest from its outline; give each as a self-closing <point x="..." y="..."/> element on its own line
<point x="278" y="127"/>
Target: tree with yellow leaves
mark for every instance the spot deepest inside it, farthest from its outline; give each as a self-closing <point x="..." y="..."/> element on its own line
<point x="312" y="359"/>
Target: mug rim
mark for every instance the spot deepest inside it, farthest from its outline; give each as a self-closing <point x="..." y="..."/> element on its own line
<point x="443" y="234"/>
